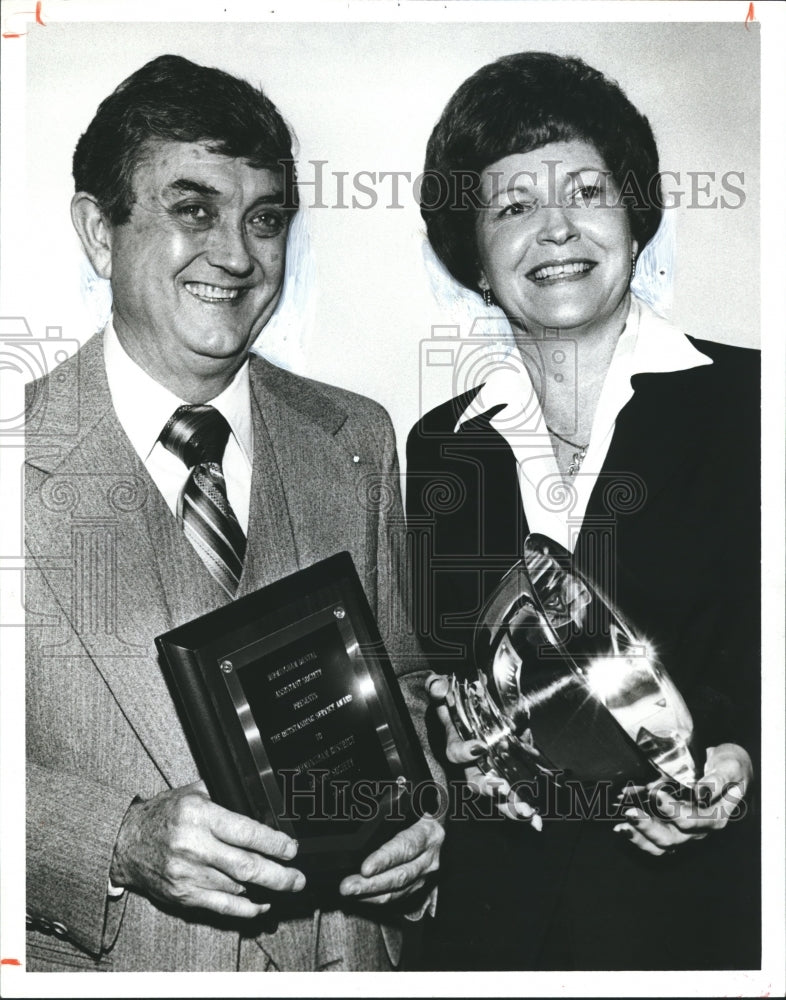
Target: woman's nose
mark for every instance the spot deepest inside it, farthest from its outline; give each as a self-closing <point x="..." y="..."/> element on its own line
<point x="228" y="249"/>
<point x="556" y="225"/>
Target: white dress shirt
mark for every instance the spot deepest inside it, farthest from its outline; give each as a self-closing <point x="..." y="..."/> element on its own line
<point x="143" y="406"/>
<point x="555" y="506"/>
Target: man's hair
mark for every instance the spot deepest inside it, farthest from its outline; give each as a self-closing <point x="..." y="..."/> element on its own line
<point x="515" y="105"/>
<point x="173" y="99"/>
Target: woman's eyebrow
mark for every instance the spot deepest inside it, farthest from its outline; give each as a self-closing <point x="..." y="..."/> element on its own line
<point x="589" y="170"/>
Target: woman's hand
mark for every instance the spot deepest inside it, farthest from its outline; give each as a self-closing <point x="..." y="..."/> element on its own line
<point x="399" y="867"/>
<point x="468" y="752"/>
<point x="718" y="793"/>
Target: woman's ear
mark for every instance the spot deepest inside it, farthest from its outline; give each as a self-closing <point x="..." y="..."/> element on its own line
<point x="94" y="232"/>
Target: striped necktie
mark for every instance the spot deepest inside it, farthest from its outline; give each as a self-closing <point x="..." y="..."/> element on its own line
<point x="198" y="436"/>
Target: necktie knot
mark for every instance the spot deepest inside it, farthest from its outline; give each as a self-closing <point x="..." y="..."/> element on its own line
<point x="196" y="434"/>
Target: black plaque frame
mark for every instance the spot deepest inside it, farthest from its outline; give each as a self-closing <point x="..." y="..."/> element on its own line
<point x="205" y="662"/>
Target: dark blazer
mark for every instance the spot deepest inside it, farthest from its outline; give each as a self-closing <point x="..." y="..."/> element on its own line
<point x="109" y="569"/>
<point x="671" y="533"/>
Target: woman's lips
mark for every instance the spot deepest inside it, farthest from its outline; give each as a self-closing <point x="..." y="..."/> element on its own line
<point x="554" y="271"/>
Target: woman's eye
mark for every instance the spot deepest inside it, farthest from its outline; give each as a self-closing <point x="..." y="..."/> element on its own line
<point x="268" y="223"/>
<point x="587" y="193"/>
<point x="516" y="208"/>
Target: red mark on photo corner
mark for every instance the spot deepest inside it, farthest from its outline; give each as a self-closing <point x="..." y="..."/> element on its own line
<point x="750" y="17"/>
<point x="10" y="961"/>
<point x="17" y="13"/>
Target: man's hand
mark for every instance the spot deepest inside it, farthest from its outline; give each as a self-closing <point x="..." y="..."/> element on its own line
<point x="181" y="848"/>
<point x="467" y="752"/>
<point x="717" y="794"/>
<point x="400" y="867"/>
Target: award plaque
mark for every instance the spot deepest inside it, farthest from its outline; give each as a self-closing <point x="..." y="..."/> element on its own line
<point x="296" y="718"/>
<point x="565" y="687"/>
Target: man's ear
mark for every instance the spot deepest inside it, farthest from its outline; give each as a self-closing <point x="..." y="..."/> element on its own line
<point x="94" y="232"/>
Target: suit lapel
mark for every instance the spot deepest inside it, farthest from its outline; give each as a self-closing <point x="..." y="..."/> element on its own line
<point x="271" y="551"/>
<point x="118" y="602"/>
<point x="493" y="504"/>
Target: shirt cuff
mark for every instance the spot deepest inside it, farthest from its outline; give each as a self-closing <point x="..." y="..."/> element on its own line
<point x="114" y="890"/>
<point x="429" y="905"/>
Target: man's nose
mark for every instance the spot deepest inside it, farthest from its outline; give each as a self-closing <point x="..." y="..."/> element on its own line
<point x="228" y="248"/>
<point x="556" y="225"/>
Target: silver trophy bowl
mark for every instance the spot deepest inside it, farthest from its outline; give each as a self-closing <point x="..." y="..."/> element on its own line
<point x="564" y="687"/>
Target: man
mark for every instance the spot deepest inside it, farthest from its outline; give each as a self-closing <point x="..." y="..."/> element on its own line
<point x="197" y="474"/>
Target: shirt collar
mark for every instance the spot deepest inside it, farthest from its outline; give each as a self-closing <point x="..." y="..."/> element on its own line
<point x="648" y="343"/>
<point x="143" y="422"/>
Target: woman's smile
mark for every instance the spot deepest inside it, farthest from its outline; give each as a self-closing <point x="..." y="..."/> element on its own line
<point x="554" y="241"/>
<point x="555" y="271"/>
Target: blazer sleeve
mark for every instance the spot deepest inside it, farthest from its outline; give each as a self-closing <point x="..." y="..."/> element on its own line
<point x="72" y="820"/>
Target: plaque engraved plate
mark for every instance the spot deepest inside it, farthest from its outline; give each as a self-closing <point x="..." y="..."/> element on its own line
<point x="295" y="716"/>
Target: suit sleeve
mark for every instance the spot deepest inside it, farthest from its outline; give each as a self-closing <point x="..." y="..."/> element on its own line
<point x="72" y="820"/>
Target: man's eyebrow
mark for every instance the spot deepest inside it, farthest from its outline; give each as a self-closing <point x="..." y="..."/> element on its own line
<point x="190" y="186"/>
<point x="270" y="199"/>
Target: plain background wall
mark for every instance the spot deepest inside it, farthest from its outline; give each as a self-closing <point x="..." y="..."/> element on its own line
<point x="364" y="96"/>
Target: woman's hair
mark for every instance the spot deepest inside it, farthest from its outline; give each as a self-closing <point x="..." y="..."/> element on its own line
<point x="171" y="98"/>
<point x="515" y="105"/>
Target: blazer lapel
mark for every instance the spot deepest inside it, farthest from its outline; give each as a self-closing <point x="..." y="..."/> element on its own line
<point x="117" y="600"/>
<point x="271" y="551"/>
<point x="493" y="505"/>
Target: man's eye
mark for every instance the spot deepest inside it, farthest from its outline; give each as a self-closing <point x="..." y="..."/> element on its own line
<point x="268" y="223"/>
<point x="193" y="214"/>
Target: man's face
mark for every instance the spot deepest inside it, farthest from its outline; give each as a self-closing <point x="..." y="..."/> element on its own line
<point x="196" y="271"/>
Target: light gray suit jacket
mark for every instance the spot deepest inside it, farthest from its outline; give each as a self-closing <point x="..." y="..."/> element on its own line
<point x="109" y="569"/>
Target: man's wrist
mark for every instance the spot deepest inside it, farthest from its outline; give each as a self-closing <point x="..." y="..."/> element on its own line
<point x="119" y="878"/>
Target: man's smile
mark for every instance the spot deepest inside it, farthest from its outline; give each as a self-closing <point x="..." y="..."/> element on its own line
<point x="212" y="293"/>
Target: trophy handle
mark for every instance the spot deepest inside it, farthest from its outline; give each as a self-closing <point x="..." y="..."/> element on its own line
<point x="476" y="716"/>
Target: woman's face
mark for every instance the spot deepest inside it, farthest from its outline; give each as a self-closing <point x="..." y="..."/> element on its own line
<point x="553" y="241"/>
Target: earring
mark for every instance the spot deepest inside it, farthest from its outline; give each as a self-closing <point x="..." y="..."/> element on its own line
<point x="488" y="298"/>
<point x="632" y="266"/>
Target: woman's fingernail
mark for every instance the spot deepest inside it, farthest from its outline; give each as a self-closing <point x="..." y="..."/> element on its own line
<point x="625" y="831"/>
<point x="478" y="751"/>
<point x="633" y="815"/>
<point x="536" y="822"/>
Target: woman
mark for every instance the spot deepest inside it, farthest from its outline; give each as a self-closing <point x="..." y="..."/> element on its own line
<point x="633" y="446"/>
